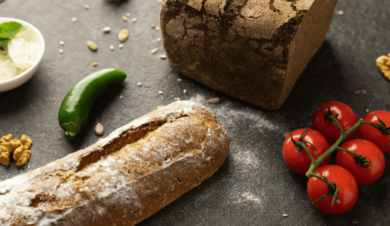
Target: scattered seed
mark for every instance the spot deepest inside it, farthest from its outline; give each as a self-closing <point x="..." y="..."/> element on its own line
<point x="74" y="19"/>
<point x="121" y="97"/>
<point x="158" y="107"/>
<point x="341" y="12"/>
<point x="95" y="64"/>
<point x="86" y="7"/>
<point x="61" y="51"/>
<point x="160" y="92"/>
<point x="139" y="84"/>
<point x="106" y="29"/>
<point x="358" y="92"/>
<point x="159" y="40"/>
<point x="184" y="91"/>
<point x="112" y="47"/>
<point x="123" y="35"/>
<point x="62" y="43"/>
<point x="120" y="46"/>
<point x="364" y="92"/>
<point x="229" y="171"/>
<point x="179" y="79"/>
<point x="124" y="18"/>
<point x="157" y="28"/>
<point x="128" y="14"/>
<point x="92" y="45"/>
<point x="153" y="51"/>
<point x="213" y="100"/>
<point x="285" y="215"/>
<point x="49" y="66"/>
<point x="354" y="221"/>
<point x="99" y="129"/>
<point x="153" y="26"/>
<point x="286" y="134"/>
<point x="134" y="19"/>
<point x="163" y="56"/>
<point x="367" y="110"/>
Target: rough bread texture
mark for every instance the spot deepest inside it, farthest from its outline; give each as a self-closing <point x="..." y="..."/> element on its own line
<point x="124" y="178"/>
<point x="253" y="50"/>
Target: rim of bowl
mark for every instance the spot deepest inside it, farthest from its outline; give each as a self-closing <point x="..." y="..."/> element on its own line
<point x="40" y="36"/>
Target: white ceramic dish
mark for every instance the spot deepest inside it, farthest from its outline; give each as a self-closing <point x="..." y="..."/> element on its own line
<point x="31" y="33"/>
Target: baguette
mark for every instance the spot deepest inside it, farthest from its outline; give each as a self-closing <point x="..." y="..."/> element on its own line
<point x="122" y="179"/>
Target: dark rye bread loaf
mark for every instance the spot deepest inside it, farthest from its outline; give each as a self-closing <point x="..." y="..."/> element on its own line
<point x="253" y="50"/>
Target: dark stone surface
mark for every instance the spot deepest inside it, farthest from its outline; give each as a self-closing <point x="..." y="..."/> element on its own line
<point x="261" y="187"/>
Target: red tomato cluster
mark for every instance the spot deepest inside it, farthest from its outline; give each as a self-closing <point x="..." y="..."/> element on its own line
<point x="334" y="188"/>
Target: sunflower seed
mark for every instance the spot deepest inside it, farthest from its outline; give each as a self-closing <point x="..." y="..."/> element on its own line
<point x="213" y="100"/>
<point x="99" y="129"/>
<point x="153" y="51"/>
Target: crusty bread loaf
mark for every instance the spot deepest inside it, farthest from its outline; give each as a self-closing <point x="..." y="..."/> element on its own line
<point x="124" y="178"/>
<point x="253" y="50"/>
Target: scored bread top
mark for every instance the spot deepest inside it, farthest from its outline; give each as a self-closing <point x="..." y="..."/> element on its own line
<point x="122" y="179"/>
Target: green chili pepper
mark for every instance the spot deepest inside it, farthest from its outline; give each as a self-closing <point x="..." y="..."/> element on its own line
<point x="75" y="108"/>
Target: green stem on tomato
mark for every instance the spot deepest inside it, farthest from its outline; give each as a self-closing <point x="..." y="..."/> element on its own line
<point x="348" y="151"/>
<point x="334" y="147"/>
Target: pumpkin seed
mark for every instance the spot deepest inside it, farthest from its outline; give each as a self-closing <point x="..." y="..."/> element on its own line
<point x="92" y="45"/>
<point x="123" y="35"/>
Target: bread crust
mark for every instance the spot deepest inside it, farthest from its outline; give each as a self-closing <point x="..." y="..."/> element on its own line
<point x="124" y="178"/>
<point x="245" y="48"/>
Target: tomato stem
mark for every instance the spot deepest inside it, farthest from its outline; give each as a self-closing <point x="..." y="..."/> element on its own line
<point x="332" y="189"/>
<point x="360" y="160"/>
<point x="334" y="147"/>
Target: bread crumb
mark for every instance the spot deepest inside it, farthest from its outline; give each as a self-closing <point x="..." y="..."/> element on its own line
<point x="285" y="215"/>
<point x="184" y="91"/>
<point x="106" y="29"/>
<point x="367" y="110"/>
<point x="364" y="92"/>
<point x="229" y="171"/>
<point x="157" y="28"/>
<point x="153" y="26"/>
<point x="357" y="92"/>
<point x="163" y="56"/>
<point x="213" y="100"/>
<point x="95" y="64"/>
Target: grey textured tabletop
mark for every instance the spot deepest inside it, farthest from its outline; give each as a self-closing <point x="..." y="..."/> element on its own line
<point x="261" y="187"/>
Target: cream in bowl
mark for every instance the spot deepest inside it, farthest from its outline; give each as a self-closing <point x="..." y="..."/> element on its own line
<point x="21" y="50"/>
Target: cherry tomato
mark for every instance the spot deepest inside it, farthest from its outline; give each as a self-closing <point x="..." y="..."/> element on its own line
<point x="374" y="135"/>
<point x="348" y="189"/>
<point x="372" y="153"/>
<point x="299" y="161"/>
<point x="346" y="117"/>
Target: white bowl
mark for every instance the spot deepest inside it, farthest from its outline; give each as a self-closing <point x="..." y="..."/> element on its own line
<point x="33" y="35"/>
